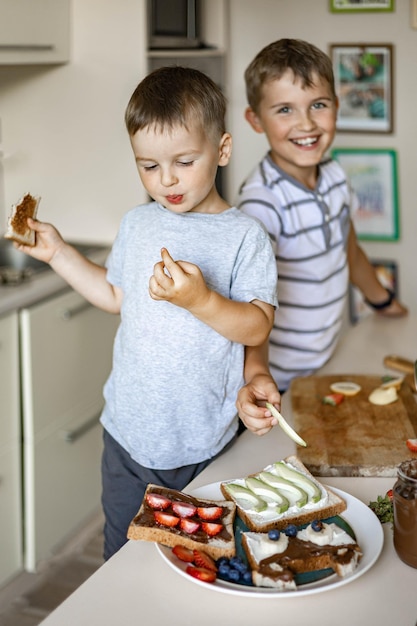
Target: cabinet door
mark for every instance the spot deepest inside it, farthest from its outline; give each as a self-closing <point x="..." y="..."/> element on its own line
<point x="34" y="31"/>
<point x="66" y="352"/>
<point x="10" y="452"/>
<point x="63" y="486"/>
<point x="66" y="347"/>
<point x="9" y="381"/>
<point x="11" y="559"/>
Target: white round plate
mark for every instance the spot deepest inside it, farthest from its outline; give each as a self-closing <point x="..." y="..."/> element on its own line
<point x="369" y="536"/>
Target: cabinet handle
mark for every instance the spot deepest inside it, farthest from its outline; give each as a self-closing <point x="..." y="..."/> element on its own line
<point x="70" y="436"/>
<point x="69" y="313"/>
<point x="30" y="47"/>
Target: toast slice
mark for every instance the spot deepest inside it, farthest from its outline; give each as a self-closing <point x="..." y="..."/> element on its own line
<point x="17" y="227"/>
<point x="274" y="563"/>
<point x="165" y="522"/>
<point x="263" y="510"/>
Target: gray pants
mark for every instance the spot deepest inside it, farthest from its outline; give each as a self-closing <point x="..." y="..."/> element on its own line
<point x="123" y="486"/>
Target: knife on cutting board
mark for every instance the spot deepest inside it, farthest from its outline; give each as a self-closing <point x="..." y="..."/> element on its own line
<point x="406" y="366"/>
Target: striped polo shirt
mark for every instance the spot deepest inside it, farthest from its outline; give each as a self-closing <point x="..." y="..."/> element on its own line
<point x="309" y="231"/>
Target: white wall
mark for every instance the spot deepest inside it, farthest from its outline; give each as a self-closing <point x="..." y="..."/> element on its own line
<point x="255" y="24"/>
<point x="64" y="132"/>
<point x="63" y="127"/>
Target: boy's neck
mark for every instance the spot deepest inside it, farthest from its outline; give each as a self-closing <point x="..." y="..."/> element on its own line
<point x="307" y="176"/>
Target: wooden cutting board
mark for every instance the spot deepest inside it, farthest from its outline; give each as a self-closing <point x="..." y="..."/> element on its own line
<point x="354" y="438"/>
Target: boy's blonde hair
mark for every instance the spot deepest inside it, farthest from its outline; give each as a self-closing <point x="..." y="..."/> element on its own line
<point x="301" y="57"/>
<point x="176" y="95"/>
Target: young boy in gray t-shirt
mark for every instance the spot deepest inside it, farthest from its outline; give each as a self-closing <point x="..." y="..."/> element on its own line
<point x="194" y="281"/>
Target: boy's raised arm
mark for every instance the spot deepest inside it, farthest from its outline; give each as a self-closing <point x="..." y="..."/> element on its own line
<point x="183" y="284"/>
<point x="86" y="277"/>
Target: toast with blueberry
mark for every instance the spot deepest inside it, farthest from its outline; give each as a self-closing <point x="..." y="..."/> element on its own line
<point x="276" y="557"/>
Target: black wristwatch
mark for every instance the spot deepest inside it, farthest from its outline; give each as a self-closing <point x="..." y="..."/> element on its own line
<point x="382" y="305"/>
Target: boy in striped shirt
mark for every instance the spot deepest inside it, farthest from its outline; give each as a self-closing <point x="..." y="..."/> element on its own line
<point x="305" y="201"/>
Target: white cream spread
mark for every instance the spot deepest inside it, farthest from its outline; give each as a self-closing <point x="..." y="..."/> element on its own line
<point x="262" y="547"/>
<point x="331" y="534"/>
<point x="270" y="514"/>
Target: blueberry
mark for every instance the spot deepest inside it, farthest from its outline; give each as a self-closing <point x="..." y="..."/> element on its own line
<point x="222" y="560"/>
<point x="247" y="577"/>
<point x="273" y="534"/>
<point x="317" y="525"/>
<point x="234" y="575"/>
<point x="241" y="567"/>
<point x="224" y="566"/>
<point x="291" y="530"/>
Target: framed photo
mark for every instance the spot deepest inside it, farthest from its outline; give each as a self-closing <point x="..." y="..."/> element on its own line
<point x="373" y="176"/>
<point x="357" y="6"/>
<point x="363" y="81"/>
<point x="387" y="272"/>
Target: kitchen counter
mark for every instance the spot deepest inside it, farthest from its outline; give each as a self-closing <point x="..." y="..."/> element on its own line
<point x="41" y="285"/>
<point x="136" y="585"/>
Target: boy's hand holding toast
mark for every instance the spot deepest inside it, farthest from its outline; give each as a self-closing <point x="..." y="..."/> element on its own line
<point x="47" y="242"/>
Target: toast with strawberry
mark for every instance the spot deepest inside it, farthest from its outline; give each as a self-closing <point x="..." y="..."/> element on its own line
<point x="174" y="518"/>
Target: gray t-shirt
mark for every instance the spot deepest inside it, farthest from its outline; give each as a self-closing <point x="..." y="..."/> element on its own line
<point x="170" y="398"/>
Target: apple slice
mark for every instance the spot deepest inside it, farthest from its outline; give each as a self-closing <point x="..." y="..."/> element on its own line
<point x="285" y="426"/>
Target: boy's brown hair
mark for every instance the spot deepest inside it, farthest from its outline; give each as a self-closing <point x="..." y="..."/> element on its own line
<point x="176" y="95"/>
<point x="299" y="56"/>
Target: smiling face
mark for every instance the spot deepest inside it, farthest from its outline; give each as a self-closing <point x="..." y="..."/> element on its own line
<point x="299" y="122"/>
<point x="177" y="166"/>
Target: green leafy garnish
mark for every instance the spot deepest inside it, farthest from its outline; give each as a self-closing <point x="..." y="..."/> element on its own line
<point x="383" y="509"/>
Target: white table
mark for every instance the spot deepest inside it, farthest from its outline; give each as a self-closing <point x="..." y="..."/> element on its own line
<point x="137" y="587"/>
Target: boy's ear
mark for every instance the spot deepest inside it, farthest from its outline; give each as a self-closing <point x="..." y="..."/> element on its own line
<point x="225" y="149"/>
<point x="253" y="120"/>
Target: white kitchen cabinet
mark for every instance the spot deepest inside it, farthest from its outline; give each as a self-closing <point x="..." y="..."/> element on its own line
<point x="66" y="351"/>
<point x="10" y="455"/>
<point x="34" y="31"/>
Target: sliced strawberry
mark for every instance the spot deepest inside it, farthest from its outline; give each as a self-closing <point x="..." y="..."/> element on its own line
<point x="412" y="444"/>
<point x="333" y="399"/>
<point x="166" y="519"/>
<point x="211" y="528"/>
<point x="390" y="494"/>
<point x="201" y="573"/>
<point x="184" y="509"/>
<point x="183" y="553"/>
<point x="209" y="512"/>
<point x="157" y="501"/>
<point x="201" y="559"/>
<point x="189" y="526"/>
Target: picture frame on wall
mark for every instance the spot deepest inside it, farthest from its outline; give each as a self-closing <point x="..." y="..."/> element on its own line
<point x="372" y="173"/>
<point x="387" y="272"/>
<point x="358" y="6"/>
<point x="363" y="82"/>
